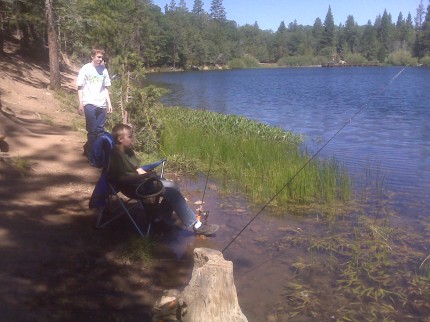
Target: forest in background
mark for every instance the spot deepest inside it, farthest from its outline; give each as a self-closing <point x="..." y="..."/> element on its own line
<point x="185" y="38"/>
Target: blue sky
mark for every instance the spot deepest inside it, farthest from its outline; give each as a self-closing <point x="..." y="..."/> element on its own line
<point x="270" y="13"/>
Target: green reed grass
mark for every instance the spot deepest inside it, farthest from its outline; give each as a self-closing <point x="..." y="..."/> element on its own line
<point x="259" y="159"/>
<point x="377" y="270"/>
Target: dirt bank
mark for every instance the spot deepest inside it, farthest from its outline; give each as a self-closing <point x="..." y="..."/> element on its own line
<point x="55" y="266"/>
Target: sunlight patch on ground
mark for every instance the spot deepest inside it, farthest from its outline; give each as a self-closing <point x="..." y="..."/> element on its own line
<point x="5" y="240"/>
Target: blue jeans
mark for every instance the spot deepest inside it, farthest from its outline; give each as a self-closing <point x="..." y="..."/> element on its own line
<point x="95" y="119"/>
<point x="178" y="203"/>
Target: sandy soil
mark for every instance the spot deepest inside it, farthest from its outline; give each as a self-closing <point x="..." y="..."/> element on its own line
<point x="55" y="265"/>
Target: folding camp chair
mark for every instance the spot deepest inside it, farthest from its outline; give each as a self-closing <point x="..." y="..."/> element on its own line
<point x="112" y="202"/>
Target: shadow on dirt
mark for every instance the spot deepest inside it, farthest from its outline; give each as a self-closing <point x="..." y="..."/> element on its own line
<point x="55" y="265"/>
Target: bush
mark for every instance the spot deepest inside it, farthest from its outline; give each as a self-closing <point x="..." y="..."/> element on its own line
<point x="246" y="62"/>
<point x="355" y="59"/>
<point x="296" y="61"/>
<point x="236" y="63"/>
<point x="401" y="58"/>
<point x="425" y="61"/>
<point x="250" y="61"/>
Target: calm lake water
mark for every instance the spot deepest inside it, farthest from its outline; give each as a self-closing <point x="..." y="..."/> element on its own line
<point x="389" y="136"/>
<point x="386" y="144"/>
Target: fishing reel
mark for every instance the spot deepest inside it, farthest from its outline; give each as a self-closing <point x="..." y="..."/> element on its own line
<point x="202" y="215"/>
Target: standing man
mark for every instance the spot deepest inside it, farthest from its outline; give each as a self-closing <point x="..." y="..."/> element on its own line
<point x="93" y="82"/>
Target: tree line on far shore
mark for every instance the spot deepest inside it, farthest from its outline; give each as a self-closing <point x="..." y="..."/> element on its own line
<point x="178" y="37"/>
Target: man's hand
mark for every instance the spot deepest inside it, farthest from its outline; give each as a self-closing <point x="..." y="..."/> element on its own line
<point x="140" y="171"/>
<point x="109" y="109"/>
<point x="81" y="110"/>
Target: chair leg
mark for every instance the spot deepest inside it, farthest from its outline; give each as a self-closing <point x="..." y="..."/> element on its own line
<point x="150" y="210"/>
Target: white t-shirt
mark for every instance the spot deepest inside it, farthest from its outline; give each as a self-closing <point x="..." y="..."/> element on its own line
<point x="94" y="81"/>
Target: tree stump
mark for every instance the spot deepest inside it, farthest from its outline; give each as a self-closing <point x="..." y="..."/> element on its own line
<point x="211" y="293"/>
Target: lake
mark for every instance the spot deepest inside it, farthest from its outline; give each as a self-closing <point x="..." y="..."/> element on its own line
<point x="391" y="133"/>
<point x="375" y="120"/>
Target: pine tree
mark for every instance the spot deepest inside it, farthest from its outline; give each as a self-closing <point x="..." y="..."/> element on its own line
<point x="217" y="11"/>
<point x="329" y="30"/>
<point x="419" y="18"/>
<point x="317" y="31"/>
<point x="385" y="35"/>
<point x="172" y="5"/>
<point x="198" y="7"/>
<point x="369" y="42"/>
<point x="351" y="33"/>
<point x="280" y="43"/>
<point x="424" y="36"/>
<point x="182" y="7"/>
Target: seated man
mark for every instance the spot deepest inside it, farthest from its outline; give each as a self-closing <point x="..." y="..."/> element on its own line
<point x="125" y="170"/>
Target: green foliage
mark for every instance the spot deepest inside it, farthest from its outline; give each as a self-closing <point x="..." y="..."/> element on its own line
<point x="134" y="104"/>
<point x="143" y="109"/>
<point x="297" y="61"/>
<point x="328" y="35"/>
<point x="380" y="272"/>
<point x="425" y="61"/>
<point x="245" y="62"/>
<point x="181" y="38"/>
<point x="236" y="63"/>
<point x="401" y="58"/>
<point x="355" y="58"/>
<point x="252" y="155"/>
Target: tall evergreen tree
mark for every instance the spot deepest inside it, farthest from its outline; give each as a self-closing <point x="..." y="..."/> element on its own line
<point x="369" y="42"/>
<point x="317" y="31"/>
<point x="422" y="44"/>
<point x="419" y="18"/>
<point x="198" y="7"/>
<point x="403" y="32"/>
<point x="351" y="33"/>
<point x="280" y="43"/>
<point x="385" y="35"/>
<point x="328" y="36"/>
<point x="182" y="6"/>
<point x="172" y="5"/>
<point x="217" y="11"/>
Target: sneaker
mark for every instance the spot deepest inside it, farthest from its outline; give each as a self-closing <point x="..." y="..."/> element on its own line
<point x="206" y="230"/>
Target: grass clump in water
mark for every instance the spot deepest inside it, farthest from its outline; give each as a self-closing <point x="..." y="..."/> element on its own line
<point x="259" y="159"/>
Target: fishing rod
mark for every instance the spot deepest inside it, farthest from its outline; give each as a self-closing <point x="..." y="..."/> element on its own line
<point x="201" y="213"/>
<point x="380" y="91"/>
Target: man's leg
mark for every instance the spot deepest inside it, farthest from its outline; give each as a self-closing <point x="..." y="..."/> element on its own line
<point x="100" y="121"/>
<point x="90" y="124"/>
<point x="179" y="204"/>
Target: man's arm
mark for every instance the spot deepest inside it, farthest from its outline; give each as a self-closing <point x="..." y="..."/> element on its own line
<point x="80" y="98"/>
<point x="131" y="179"/>
<point x="109" y="104"/>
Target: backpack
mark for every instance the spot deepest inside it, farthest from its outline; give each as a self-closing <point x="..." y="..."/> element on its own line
<point x="98" y="155"/>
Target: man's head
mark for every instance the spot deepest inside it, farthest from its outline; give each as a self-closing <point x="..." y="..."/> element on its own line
<point x="97" y="55"/>
<point x="122" y="135"/>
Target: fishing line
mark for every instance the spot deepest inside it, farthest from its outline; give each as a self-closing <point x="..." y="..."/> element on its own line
<point x="207" y="177"/>
<point x="380" y="91"/>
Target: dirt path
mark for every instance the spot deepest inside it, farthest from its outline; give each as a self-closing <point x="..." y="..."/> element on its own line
<point x="55" y="266"/>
